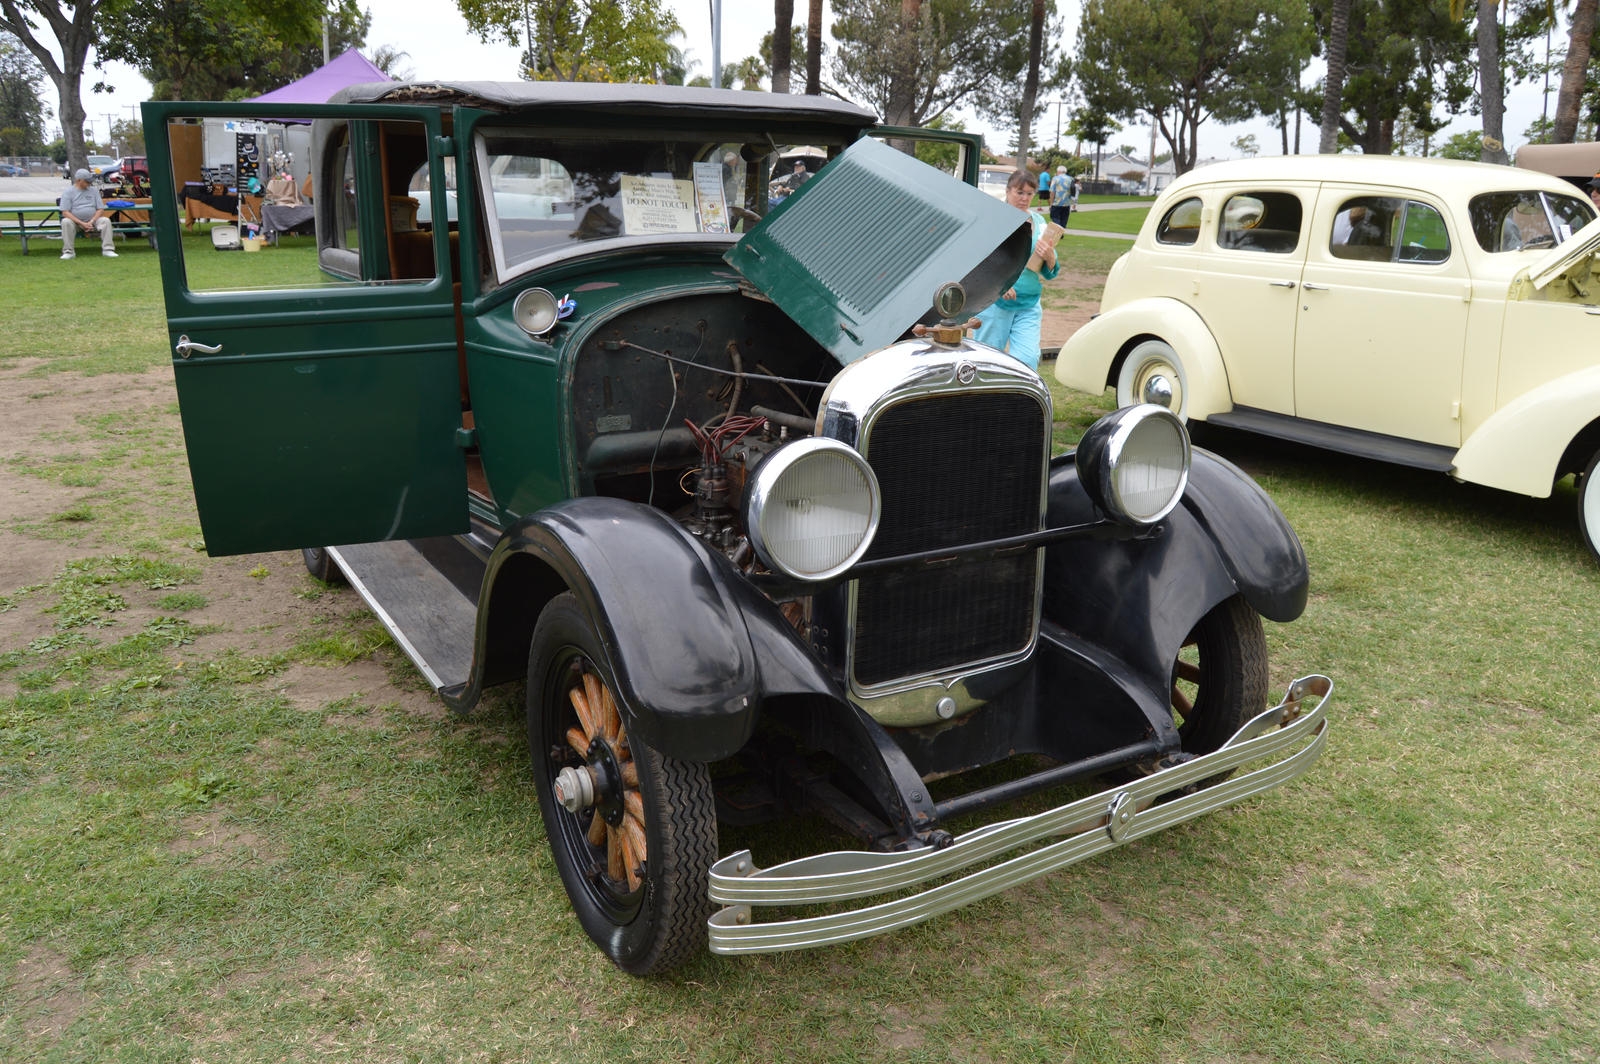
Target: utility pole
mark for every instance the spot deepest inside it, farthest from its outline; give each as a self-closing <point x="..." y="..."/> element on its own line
<point x="1058" y="125"/>
<point x="324" y="40"/>
<point x="716" y="44"/>
<point x="111" y="133"/>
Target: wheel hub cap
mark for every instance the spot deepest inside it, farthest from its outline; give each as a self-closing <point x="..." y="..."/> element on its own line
<point x="1158" y="390"/>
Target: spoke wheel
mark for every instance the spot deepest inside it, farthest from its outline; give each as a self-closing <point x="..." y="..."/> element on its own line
<point x="1219" y="680"/>
<point x="633" y="833"/>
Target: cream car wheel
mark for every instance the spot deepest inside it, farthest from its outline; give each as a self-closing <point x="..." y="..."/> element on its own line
<point x="1153" y="373"/>
<point x="1589" y="507"/>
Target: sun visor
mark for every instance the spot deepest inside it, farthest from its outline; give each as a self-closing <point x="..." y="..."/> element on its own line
<point x="856" y="255"/>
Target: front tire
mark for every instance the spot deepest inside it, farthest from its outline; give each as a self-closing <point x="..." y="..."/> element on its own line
<point x="1589" y="507"/>
<point x="646" y="910"/>
<point x="1153" y="373"/>
<point x="320" y="564"/>
<point x="1219" y="681"/>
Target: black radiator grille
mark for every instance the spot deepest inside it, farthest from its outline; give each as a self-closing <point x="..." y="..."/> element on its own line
<point x="954" y="469"/>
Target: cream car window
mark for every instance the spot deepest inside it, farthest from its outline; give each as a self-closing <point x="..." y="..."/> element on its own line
<point x="1512" y="221"/>
<point x="1261" y="221"/>
<point x="1389" y="229"/>
<point x="1181" y="223"/>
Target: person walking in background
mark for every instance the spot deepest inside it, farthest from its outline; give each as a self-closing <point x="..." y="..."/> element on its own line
<point x="1015" y="318"/>
<point x="1061" y="195"/>
<point x="1044" y="185"/>
<point x="82" y="210"/>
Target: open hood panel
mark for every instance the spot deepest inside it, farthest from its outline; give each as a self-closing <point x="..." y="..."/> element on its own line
<point x="856" y="255"/>
<point x="1558" y="260"/>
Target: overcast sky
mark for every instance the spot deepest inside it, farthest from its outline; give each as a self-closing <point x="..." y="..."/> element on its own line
<point x="439" y="46"/>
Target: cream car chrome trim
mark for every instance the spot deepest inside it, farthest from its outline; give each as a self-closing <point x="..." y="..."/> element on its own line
<point x="1290" y="733"/>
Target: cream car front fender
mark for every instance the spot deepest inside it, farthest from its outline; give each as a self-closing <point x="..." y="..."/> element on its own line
<point x="1519" y="447"/>
<point x="1088" y="360"/>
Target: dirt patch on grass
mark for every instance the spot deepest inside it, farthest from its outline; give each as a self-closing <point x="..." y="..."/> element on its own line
<point x="45" y="995"/>
<point x="214" y="841"/>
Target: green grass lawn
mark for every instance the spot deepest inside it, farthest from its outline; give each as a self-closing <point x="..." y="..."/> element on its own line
<point x="1087" y="198"/>
<point x="1127" y="221"/>
<point x="234" y="826"/>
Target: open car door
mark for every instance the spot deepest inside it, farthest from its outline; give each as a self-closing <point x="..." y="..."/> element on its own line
<point x="957" y="154"/>
<point x="320" y="406"/>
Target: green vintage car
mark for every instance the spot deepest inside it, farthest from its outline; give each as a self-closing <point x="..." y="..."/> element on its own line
<point x="726" y="484"/>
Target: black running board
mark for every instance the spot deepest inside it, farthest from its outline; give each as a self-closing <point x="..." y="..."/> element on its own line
<point x="1337" y="438"/>
<point x="418" y="590"/>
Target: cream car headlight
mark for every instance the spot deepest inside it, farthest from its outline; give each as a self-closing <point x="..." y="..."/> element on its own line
<point x="812" y="509"/>
<point x="1135" y="463"/>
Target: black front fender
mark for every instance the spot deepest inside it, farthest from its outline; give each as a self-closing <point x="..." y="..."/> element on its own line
<point x="1140" y="597"/>
<point x="693" y="648"/>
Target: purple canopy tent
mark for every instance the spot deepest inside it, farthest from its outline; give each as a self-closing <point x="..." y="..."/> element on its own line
<point x="351" y="68"/>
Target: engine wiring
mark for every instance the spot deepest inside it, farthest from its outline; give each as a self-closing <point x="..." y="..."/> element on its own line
<point x="650" y="499"/>
<point x="746" y="374"/>
<point x="714" y="443"/>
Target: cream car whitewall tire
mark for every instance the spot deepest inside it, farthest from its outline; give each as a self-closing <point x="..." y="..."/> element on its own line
<point x="1153" y="373"/>
<point x="1589" y="507"/>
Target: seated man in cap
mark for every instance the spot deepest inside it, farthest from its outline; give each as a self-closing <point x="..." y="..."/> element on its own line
<point x="82" y="209"/>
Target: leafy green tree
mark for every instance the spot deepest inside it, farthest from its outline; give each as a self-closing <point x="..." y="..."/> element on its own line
<point x="1191" y="60"/>
<point x="226" y="49"/>
<point x="1467" y="146"/>
<point x="129" y="132"/>
<point x="915" y="60"/>
<point x="942" y="156"/>
<point x="71" y="25"/>
<point x="582" y="40"/>
<point x="22" y="113"/>
<point x="1247" y="146"/>
<point x="1404" y="57"/>
<point x="1093" y="124"/>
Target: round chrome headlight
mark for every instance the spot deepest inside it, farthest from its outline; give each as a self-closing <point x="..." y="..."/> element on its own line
<point x="812" y="508"/>
<point x="1135" y="463"/>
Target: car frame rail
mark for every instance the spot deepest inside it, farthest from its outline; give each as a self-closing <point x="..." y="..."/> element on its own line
<point x="1290" y="733"/>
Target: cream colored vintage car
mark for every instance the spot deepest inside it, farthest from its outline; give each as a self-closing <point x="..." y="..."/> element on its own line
<point x="1436" y="314"/>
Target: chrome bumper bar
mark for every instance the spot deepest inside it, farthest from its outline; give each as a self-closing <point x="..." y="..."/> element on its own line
<point x="1289" y="733"/>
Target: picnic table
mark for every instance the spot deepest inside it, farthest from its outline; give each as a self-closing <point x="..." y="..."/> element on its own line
<point x="23" y="228"/>
<point x="130" y="218"/>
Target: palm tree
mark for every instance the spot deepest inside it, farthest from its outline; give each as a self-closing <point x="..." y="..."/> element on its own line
<point x="1333" y="84"/>
<point x="1574" y="73"/>
<point x="782" y="35"/>
<point x="814" y="49"/>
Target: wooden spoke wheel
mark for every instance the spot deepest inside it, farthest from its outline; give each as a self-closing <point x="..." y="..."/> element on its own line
<point x="1219" y="680"/>
<point x="633" y="833"/>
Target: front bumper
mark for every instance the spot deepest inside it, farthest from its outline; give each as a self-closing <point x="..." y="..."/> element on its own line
<point x="1290" y="734"/>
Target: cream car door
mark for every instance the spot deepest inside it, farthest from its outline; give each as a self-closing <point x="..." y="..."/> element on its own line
<point x="1254" y="245"/>
<point x="1383" y="316"/>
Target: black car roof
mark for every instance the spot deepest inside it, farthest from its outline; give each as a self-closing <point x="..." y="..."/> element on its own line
<point x="616" y="99"/>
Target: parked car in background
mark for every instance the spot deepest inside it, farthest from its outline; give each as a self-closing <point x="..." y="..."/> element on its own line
<point x="99" y="164"/>
<point x="728" y="487"/>
<point x="1437" y="314"/>
<point x="128" y="168"/>
<point x="12" y="170"/>
<point x="992" y="179"/>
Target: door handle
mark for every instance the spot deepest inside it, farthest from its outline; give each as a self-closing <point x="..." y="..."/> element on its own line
<point x="1309" y="287"/>
<point x="1281" y="284"/>
<point x="186" y="347"/>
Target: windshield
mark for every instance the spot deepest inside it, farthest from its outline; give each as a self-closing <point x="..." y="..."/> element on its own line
<point x="549" y="193"/>
<point x="1514" y="221"/>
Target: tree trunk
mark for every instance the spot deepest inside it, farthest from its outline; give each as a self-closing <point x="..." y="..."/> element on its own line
<point x="1030" y="87"/>
<point x="1490" y="92"/>
<point x="782" y="44"/>
<point x="1333" y="84"/>
<point x="814" y="49"/>
<point x="1574" y="71"/>
<point x="900" y="100"/>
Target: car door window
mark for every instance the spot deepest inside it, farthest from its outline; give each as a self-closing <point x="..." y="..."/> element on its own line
<point x="1513" y="220"/>
<point x="1261" y="221"/>
<point x="1181" y="223"/>
<point x="1389" y="229"/>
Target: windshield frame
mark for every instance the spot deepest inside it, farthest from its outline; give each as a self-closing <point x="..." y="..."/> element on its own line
<point x="712" y="137"/>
